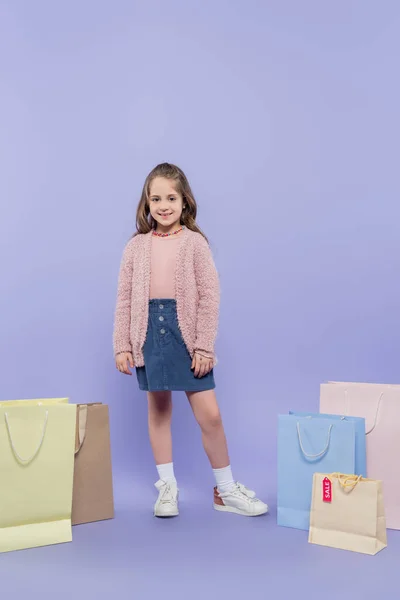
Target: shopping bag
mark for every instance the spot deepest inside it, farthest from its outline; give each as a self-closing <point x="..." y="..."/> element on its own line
<point x="360" y="443"/>
<point x="379" y="404"/>
<point x="93" y="485"/>
<point x="347" y="512"/>
<point x="305" y="446"/>
<point x="36" y="474"/>
<point x="34" y="402"/>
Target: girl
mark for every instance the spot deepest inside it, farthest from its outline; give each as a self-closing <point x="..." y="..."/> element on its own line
<point x="166" y="323"/>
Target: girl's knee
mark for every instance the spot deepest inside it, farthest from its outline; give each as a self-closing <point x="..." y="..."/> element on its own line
<point x="211" y="421"/>
<point x="159" y="402"/>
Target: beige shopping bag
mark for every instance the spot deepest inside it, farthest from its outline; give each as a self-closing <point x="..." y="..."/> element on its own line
<point x="347" y="512"/>
<point x="93" y="486"/>
<point x="36" y="474"/>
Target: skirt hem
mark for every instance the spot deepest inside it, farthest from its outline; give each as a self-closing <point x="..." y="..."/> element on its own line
<point x="176" y="389"/>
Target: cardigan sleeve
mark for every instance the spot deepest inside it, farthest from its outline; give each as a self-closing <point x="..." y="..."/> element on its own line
<point x="209" y="298"/>
<point x="122" y="319"/>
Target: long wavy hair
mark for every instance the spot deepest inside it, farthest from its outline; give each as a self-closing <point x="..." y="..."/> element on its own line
<point x="145" y="222"/>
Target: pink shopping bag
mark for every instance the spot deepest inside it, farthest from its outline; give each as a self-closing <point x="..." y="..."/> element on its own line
<point x="379" y="404"/>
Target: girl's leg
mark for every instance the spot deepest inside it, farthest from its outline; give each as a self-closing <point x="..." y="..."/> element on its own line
<point x="228" y="495"/>
<point x="160" y="414"/>
<point x="159" y="421"/>
<point x="208" y="416"/>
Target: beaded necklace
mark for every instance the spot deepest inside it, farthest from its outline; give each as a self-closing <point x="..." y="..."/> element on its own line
<point x="168" y="234"/>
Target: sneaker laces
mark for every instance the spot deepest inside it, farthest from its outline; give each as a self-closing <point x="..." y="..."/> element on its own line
<point x="243" y="490"/>
<point x="167" y="495"/>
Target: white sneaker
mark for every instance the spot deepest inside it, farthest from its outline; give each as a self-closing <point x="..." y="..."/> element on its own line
<point x="239" y="500"/>
<point x="167" y="501"/>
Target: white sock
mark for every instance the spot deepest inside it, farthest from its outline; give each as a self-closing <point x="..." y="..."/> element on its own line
<point x="224" y="479"/>
<point x="166" y="472"/>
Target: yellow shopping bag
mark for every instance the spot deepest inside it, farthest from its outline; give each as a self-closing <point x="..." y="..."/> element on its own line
<point x="34" y="402"/>
<point x="347" y="512"/>
<point x="37" y="444"/>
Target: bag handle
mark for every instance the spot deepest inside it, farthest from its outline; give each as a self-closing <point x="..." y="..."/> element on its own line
<point x="347" y="407"/>
<point x="82" y="426"/>
<point x="319" y="453"/>
<point x="17" y="455"/>
<point x="347" y="481"/>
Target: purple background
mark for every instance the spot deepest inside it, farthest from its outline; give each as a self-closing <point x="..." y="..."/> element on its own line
<point x="285" y="117"/>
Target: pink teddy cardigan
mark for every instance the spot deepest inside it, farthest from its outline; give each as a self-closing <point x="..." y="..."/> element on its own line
<point x="197" y="295"/>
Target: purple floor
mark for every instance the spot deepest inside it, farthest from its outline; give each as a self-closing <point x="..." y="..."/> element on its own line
<point x="205" y="554"/>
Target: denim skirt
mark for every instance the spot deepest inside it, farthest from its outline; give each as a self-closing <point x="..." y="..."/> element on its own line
<point x="167" y="362"/>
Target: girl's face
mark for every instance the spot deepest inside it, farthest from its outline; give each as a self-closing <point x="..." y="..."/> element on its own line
<point x="165" y="203"/>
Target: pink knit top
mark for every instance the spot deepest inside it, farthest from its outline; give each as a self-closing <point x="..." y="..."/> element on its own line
<point x="197" y="295"/>
<point x="163" y="263"/>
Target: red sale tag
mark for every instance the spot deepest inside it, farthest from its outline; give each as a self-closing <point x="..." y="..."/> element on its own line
<point x="326" y="490"/>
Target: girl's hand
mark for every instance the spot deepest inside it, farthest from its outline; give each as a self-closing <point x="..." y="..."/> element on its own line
<point x="123" y="362"/>
<point x="201" y="365"/>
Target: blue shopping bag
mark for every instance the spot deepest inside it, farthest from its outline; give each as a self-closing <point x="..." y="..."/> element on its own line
<point x="307" y="446"/>
<point x="361" y="440"/>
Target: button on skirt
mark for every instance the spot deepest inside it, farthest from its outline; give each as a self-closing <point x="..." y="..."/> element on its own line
<point x="167" y="362"/>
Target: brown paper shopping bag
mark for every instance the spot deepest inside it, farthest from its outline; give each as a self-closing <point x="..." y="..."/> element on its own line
<point x="347" y="512"/>
<point x="93" y="486"/>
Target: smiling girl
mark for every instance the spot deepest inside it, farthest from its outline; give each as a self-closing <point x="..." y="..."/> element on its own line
<point x="166" y="323"/>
